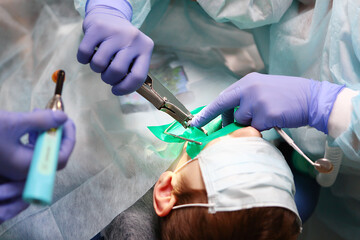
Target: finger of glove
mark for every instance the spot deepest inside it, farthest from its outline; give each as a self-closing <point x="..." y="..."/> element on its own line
<point x="103" y="56"/>
<point x="11" y="209"/>
<point x="11" y="190"/>
<point x="225" y="101"/>
<point x="227" y="117"/>
<point x="21" y="159"/>
<point x="119" y="67"/>
<point x="33" y="135"/>
<point x="244" y="114"/>
<point x="67" y="143"/>
<point x="91" y="40"/>
<point x="135" y="78"/>
<point x="20" y="163"/>
<point x="40" y="121"/>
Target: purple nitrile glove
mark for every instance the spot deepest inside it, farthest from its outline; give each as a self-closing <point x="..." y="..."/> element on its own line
<point x="15" y="157"/>
<point x="267" y="101"/>
<point x="123" y="54"/>
<point x="11" y="202"/>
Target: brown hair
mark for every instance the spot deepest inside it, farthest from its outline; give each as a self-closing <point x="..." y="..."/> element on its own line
<point x="262" y="223"/>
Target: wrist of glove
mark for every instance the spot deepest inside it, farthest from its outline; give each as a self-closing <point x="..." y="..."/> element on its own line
<point x="119" y="8"/>
<point x="321" y="101"/>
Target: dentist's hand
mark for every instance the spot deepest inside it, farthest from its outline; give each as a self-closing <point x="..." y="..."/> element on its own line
<point x="11" y="202"/>
<point x="15" y="157"/>
<point x="124" y="52"/>
<point x="266" y="101"/>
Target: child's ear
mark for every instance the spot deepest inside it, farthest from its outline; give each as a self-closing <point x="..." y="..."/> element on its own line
<point x="162" y="197"/>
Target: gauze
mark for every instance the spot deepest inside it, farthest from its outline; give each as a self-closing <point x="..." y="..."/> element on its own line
<point x="246" y="172"/>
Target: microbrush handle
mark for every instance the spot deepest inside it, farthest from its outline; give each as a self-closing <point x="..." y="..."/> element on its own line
<point x="41" y="176"/>
<point x="40" y="181"/>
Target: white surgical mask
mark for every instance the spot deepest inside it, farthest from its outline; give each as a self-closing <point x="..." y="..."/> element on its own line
<point x="242" y="173"/>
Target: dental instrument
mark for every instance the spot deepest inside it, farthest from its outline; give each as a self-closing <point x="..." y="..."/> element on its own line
<point x="40" y="180"/>
<point x="159" y="96"/>
<point x="153" y="91"/>
<point x="335" y="155"/>
<point x="322" y="165"/>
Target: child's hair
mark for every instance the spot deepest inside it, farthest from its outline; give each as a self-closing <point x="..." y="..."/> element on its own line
<point x="254" y="223"/>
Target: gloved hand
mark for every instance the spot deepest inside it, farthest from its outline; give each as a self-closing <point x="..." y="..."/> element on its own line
<point x="266" y="101"/>
<point x="15" y="157"/>
<point x="124" y="52"/>
<point x="11" y="202"/>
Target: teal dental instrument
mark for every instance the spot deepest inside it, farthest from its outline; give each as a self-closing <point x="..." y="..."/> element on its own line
<point x="40" y="180"/>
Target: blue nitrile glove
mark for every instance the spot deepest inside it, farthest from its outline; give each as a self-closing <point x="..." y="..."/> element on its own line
<point x="267" y="101"/>
<point x="11" y="202"/>
<point x="15" y="157"/>
<point x="124" y="52"/>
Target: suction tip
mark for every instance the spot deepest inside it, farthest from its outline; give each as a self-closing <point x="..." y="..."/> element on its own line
<point x="57" y="75"/>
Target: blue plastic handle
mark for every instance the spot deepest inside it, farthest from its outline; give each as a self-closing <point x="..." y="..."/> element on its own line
<point x="40" y="180"/>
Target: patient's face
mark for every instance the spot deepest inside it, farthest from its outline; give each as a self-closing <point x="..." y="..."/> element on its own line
<point x="191" y="174"/>
<point x="242" y="132"/>
<point x="222" y="156"/>
<point x="236" y="169"/>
